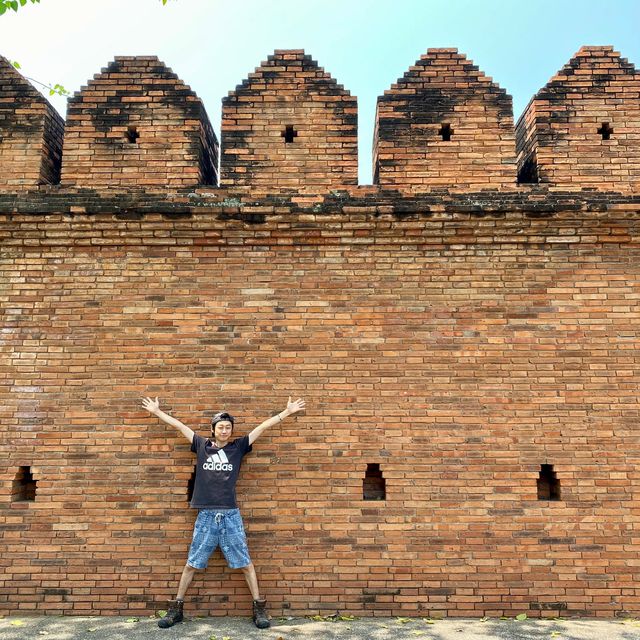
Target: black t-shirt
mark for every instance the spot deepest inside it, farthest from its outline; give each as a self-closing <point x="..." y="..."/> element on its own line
<point x="217" y="472"/>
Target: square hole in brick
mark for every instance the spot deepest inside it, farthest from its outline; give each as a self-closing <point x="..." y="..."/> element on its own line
<point x="446" y="132"/>
<point x="605" y="131"/>
<point x="132" y="135"/>
<point x="289" y="134"/>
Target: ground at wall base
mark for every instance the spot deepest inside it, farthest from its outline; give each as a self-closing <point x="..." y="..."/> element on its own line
<point x="233" y="628"/>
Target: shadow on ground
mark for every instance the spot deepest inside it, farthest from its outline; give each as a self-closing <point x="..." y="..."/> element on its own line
<point x="110" y="628"/>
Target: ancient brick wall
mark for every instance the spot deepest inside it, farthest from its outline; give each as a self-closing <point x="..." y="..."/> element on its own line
<point x="457" y="351"/>
<point x="469" y="362"/>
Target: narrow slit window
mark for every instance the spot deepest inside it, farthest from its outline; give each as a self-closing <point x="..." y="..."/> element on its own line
<point x="132" y="135"/>
<point x="191" y="484"/>
<point x="24" y="486"/>
<point x="548" y="483"/>
<point x="289" y="134"/>
<point x="373" y="485"/>
<point x="528" y="173"/>
<point x="446" y="132"/>
<point x="605" y="131"/>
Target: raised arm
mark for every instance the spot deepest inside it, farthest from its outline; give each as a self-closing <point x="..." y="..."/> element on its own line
<point x="292" y="407"/>
<point x="153" y="406"/>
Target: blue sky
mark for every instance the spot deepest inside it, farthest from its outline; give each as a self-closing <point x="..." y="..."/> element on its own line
<point x="365" y="44"/>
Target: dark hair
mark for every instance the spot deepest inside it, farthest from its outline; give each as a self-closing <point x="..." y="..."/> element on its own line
<point x="219" y="417"/>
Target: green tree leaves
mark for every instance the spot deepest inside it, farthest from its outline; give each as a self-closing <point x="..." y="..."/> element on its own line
<point x="14" y="5"/>
<point x="58" y="89"/>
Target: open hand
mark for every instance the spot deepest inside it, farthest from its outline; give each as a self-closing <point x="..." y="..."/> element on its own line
<point x="294" y="407"/>
<point x="152" y="406"/>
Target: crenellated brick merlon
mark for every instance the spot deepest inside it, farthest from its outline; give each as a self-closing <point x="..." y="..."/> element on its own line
<point x="31" y="133"/>
<point x="289" y="126"/>
<point x="582" y="129"/>
<point x="137" y="124"/>
<point x="444" y="124"/>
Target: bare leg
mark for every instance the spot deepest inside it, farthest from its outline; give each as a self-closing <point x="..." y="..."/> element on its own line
<point x="252" y="580"/>
<point x="187" y="576"/>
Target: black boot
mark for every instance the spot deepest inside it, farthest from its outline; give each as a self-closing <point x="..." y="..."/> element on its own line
<point x="260" y="618"/>
<point x="173" y="616"/>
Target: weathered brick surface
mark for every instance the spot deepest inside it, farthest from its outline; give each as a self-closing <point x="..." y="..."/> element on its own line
<point x="289" y="91"/>
<point x="453" y="340"/>
<point x="444" y="96"/>
<point x="137" y="124"/>
<point x="31" y="133"/>
<point x="560" y="134"/>
<point x="457" y="341"/>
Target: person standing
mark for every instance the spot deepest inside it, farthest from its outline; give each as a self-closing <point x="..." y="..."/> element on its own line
<point x="219" y="522"/>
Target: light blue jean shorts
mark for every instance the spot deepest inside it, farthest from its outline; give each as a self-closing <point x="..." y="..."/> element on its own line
<point x="223" y="528"/>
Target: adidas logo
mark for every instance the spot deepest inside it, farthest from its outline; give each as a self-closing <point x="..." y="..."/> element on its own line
<point x="218" y="462"/>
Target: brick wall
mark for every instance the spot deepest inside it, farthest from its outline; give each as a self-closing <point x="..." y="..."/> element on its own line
<point x="289" y="127"/>
<point x="583" y="128"/>
<point x="458" y="350"/>
<point x="444" y="124"/>
<point x="137" y="124"/>
<point x="31" y="133"/>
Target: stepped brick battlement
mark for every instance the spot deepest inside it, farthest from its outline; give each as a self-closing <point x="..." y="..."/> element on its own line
<point x="30" y="133"/>
<point x="583" y="128"/>
<point x="444" y="124"/>
<point x="136" y="123"/>
<point x="289" y="126"/>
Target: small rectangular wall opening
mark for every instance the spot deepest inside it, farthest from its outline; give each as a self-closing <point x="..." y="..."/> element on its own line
<point x="548" y="483"/>
<point x="373" y="485"/>
<point x="528" y="173"/>
<point x="24" y="486"/>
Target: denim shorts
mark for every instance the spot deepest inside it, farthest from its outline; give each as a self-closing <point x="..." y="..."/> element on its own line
<point x="219" y="527"/>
